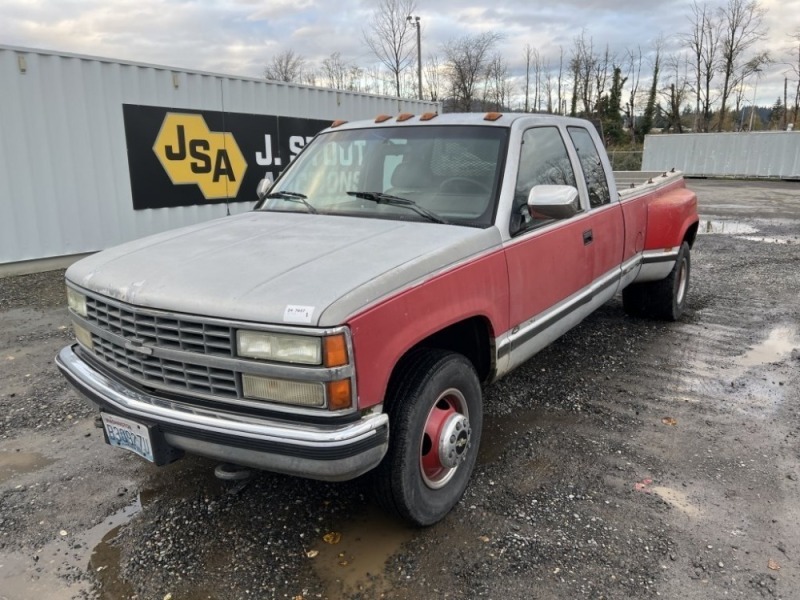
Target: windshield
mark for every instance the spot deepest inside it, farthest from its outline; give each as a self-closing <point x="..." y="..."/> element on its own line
<point x="451" y="172"/>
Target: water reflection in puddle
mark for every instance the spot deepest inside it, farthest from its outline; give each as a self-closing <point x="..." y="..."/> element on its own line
<point x="356" y="563"/>
<point x="728" y="227"/>
<point x="744" y="230"/>
<point x="41" y="574"/>
<point x="778" y="345"/>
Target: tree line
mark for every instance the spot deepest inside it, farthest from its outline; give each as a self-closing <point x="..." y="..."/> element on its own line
<point x="704" y="87"/>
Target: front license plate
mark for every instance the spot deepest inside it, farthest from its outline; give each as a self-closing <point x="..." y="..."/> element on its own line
<point x="128" y="434"/>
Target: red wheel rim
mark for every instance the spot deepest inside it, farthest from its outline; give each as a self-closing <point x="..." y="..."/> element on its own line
<point x="440" y="440"/>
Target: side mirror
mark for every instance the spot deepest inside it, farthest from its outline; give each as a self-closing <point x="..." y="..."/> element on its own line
<point x="554" y="201"/>
<point x="263" y="187"/>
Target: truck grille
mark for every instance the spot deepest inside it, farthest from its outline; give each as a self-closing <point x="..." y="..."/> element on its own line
<point x="189" y="335"/>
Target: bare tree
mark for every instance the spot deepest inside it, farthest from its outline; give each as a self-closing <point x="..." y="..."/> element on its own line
<point x="548" y="86"/>
<point x="528" y="58"/>
<point x="560" y="80"/>
<point x="582" y="64"/>
<point x="285" y="66"/>
<point x="467" y="60"/>
<point x="634" y="62"/>
<point x="334" y="70"/>
<point x="703" y="40"/>
<point x="538" y="67"/>
<point x="677" y="67"/>
<point x="742" y="26"/>
<point x="794" y="56"/>
<point x="498" y="89"/>
<point x="432" y="73"/>
<point x="600" y="74"/>
<point x="390" y="36"/>
<point x="754" y="66"/>
<point x="355" y="78"/>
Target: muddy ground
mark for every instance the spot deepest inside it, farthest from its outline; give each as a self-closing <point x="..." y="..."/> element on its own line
<point x="631" y="459"/>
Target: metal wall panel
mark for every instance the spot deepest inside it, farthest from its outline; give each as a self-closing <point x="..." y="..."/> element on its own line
<point x="774" y="154"/>
<point x="64" y="179"/>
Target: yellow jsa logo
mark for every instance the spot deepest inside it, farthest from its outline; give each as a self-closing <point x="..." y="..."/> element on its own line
<point x="190" y="153"/>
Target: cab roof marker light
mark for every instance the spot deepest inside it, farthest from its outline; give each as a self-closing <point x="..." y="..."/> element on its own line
<point x="404" y="117"/>
<point x="382" y="118"/>
<point x="337" y="123"/>
<point x="428" y="116"/>
<point x="492" y="116"/>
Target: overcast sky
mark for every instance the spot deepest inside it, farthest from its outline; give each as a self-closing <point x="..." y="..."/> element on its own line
<point x="238" y="36"/>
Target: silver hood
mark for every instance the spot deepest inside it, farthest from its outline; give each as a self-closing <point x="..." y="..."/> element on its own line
<point x="270" y="267"/>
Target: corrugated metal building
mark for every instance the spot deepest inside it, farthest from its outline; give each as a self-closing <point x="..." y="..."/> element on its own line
<point x="65" y="169"/>
<point x="774" y="154"/>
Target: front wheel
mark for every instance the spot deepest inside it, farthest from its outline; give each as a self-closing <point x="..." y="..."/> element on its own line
<point x="665" y="299"/>
<point x="436" y="415"/>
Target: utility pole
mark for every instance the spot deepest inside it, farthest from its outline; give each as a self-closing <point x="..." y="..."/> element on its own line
<point x="414" y="20"/>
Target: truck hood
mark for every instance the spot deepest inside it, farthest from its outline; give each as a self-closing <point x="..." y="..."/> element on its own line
<point x="270" y="267"/>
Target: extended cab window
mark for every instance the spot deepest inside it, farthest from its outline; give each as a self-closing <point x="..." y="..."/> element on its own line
<point x="445" y="172"/>
<point x="543" y="160"/>
<point x="592" y="166"/>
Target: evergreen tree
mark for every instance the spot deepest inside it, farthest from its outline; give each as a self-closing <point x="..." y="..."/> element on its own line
<point x="610" y="108"/>
<point x="646" y="123"/>
<point x="776" y="116"/>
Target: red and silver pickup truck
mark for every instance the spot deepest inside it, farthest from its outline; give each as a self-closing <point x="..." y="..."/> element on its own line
<point x="348" y="322"/>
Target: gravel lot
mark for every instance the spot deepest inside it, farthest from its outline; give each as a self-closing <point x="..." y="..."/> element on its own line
<point x="631" y="459"/>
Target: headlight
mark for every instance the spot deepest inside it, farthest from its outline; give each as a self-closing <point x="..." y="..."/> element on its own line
<point x="299" y="349"/>
<point x="76" y="301"/>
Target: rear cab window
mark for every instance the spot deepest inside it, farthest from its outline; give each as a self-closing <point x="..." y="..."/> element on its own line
<point x="591" y="165"/>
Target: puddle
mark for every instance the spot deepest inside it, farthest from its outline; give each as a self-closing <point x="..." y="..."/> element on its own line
<point x="770" y="240"/>
<point x="19" y="463"/>
<point x="56" y="571"/>
<point x="676" y="499"/>
<point x="727" y="227"/>
<point x="778" y="345"/>
<point x="744" y="230"/>
<point x="356" y="564"/>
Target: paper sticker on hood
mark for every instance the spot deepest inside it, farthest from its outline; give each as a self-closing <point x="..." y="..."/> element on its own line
<point x="298" y="314"/>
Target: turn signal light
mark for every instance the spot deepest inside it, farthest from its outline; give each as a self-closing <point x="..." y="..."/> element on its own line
<point x="335" y="351"/>
<point x="339" y="394"/>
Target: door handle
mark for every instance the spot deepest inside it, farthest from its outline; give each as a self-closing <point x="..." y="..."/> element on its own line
<point x="588" y="237"/>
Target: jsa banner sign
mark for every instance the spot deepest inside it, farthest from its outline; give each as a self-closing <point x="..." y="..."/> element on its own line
<point x="182" y="157"/>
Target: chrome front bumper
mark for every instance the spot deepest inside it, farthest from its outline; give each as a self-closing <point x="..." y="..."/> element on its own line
<point x="328" y="452"/>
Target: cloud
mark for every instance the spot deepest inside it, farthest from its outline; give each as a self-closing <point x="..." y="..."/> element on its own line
<point x="239" y="36"/>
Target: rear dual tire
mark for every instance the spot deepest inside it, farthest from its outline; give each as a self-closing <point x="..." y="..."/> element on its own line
<point x="664" y="299"/>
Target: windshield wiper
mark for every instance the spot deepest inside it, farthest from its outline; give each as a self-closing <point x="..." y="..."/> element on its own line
<point x="381" y="198"/>
<point x="294" y="197"/>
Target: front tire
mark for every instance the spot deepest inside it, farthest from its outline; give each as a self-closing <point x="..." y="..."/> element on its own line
<point x="435" y="415"/>
<point x="665" y="299"/>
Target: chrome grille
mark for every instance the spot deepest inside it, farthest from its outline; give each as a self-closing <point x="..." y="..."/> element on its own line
<point x="166" y="332"/>
<point x="189" y="335"/>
